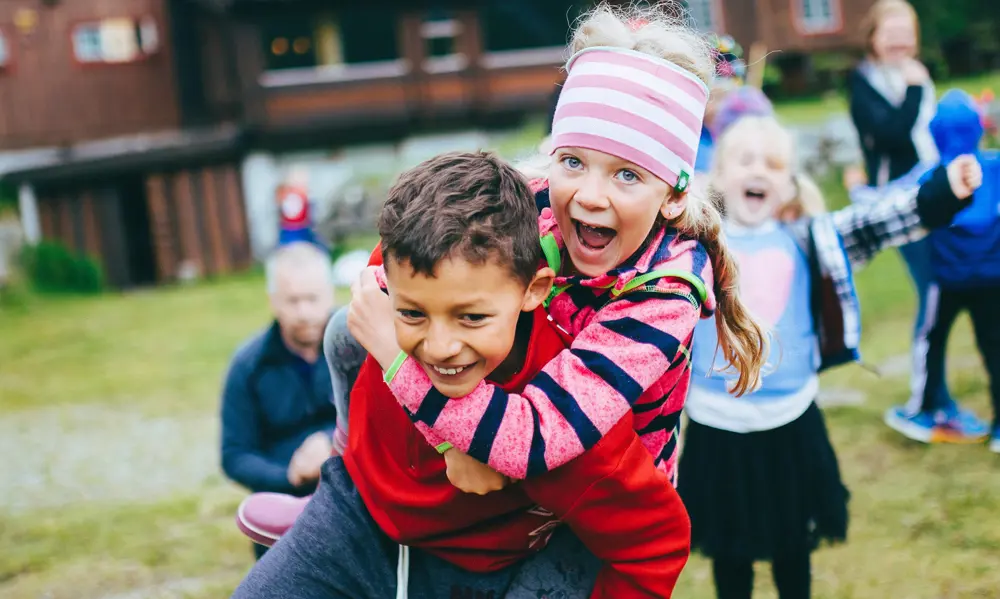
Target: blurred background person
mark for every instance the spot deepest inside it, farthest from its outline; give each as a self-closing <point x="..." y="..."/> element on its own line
<point x="278" y="416"/>
<point x="892" y="102"/>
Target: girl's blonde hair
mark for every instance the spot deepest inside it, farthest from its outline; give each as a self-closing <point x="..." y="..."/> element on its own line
<point x="662" y="31"/>
<point x="807" y="199"/>
<point x="882" y="9"/>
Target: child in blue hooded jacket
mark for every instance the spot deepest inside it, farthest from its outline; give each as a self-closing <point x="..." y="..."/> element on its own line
<point x="966" y="256"/>
<point x="965" y="260"/>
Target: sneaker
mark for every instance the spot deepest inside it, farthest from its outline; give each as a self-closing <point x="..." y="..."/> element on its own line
<point x="264" y="517"/>
<point x="916" y="427"/>
<point x="995" y="441"/>
<point x="954" y="425"/>
<point x="961" y="426"/>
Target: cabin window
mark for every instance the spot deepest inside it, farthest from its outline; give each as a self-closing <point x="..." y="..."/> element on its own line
<point x="355" y="35"/>
<point x="704" y="14"/>
<point x="6" y="60"/>
<point x="527" y="24"/>
<point x="818" y="16"/>
<point x="115" y="41"/>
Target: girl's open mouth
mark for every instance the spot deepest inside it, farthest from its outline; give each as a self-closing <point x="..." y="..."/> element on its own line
<point x="754" y="197"/>
<point x="594" y="237"/>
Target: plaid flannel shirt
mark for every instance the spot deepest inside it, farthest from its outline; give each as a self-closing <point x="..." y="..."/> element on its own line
<point x="840" y="241"/>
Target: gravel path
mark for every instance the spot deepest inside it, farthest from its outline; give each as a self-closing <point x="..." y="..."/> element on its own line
<point x="90" y="453"/>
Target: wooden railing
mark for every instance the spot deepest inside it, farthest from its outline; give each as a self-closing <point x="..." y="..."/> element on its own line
<point x="510" y="81"/>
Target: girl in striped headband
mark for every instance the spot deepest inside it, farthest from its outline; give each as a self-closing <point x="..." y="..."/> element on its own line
<point x="639" y="262"/>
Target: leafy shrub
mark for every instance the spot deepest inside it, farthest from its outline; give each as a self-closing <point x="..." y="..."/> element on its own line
<point x="52" y="268"/>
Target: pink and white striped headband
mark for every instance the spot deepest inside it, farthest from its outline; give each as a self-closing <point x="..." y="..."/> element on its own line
<point x="637" y="107"/>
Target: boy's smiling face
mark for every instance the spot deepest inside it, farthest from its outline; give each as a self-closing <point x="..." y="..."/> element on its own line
<point x="460" y="324"/>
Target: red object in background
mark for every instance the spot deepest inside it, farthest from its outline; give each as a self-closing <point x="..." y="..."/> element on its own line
<point x="293" y="205"/>
<point x="990" y="126"/>
<point x="637" y="24"/>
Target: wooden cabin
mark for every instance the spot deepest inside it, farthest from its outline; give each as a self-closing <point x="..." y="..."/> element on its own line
<point x="103" y="133"/>
<point x="799" y="26"/>
<point x="133" y="129"/>
<point x="125" y="124"/>
<point x="315" y="71"/>
<point x="793" y="29"/>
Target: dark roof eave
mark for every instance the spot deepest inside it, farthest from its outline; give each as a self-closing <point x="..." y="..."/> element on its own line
<point x="237" y="5"/>
<point x="214" y="149"/>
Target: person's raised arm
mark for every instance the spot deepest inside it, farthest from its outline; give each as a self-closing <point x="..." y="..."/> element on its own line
<point x="905" y="213"/>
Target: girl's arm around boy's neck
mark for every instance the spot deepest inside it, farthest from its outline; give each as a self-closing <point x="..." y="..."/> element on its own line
<point x="577" y="397"/>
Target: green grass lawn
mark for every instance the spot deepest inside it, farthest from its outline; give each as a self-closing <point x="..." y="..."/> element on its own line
<point x="812" y="110"/>
<point x="924" y="519"/>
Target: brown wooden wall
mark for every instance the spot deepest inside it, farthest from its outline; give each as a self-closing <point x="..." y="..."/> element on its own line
<point x="740" y="19"/>
<point x="778" y="27"/>
<point x="196" y="217"/>
<point x="219" y="78"/>
<point x="48" y="98"/>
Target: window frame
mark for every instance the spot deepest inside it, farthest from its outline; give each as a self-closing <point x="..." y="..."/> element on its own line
<point x="804" y="29"/>
<point x="139" y="21"/>
<point x="11" y="64"/>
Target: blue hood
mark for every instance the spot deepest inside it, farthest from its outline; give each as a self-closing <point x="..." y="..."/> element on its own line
<point x="957" y="128"/>
<point x="967" y="254"/>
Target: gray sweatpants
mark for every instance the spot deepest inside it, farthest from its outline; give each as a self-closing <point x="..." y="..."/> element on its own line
<point x="336" y="551"/>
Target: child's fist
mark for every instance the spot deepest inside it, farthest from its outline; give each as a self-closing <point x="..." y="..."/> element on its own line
<point x="965" y="176"/>
<point x="471" y="476"/>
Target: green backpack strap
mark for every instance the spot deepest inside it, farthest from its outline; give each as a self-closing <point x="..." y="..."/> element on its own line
<point x="553" y="256"/>
<point x="551" y="250"/>
<point x="641" y="281"/>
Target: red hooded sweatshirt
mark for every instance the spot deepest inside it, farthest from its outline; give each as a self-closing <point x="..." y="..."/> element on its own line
<point x="612" y="497"/>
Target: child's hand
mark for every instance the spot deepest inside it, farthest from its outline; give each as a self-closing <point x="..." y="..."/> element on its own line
<point x="309" y="458"/>
<point x="370" y="319"/>
<point x="965" y="176"/>
<point x="472" y="476"/>
<point x="914" y="72"/>
<point x="854" y="176"/>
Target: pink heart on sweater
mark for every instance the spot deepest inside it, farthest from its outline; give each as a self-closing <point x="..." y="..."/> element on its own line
<point x="766" y="283"/>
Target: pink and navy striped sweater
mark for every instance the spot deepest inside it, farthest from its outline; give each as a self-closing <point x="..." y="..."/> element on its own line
<point x="632" y="329"/>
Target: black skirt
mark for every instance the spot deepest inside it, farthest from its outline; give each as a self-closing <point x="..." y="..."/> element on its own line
<point x="757" y="495"/>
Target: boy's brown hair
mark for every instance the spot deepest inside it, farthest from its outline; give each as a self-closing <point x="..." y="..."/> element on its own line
<point x="469" y="205"/>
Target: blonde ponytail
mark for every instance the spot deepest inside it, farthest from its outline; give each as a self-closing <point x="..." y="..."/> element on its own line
<point x="808" y="200"/>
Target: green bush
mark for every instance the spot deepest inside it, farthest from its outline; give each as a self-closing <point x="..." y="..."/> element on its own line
<point x="52" y="268"/>
<point x="8" y="198"/>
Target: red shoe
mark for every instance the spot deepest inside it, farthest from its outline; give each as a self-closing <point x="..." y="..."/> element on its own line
<point x="264" y="517"/>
